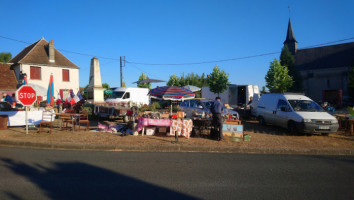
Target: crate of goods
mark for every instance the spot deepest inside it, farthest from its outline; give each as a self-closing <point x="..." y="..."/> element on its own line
<point x="235" y="139"/>
<point x="150" y="130"/>
<point x="247" y="138"/>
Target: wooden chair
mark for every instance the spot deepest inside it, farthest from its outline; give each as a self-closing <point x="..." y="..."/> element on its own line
<point x="69" y="119"/>
<point x="83" y="119"/>
<point x="63" y="118"/>
<point x="47" y="119"/>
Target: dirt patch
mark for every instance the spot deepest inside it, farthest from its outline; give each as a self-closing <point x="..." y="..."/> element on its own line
<point x="262" y="137"/>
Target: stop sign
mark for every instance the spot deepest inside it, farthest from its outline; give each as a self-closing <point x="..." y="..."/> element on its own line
<point x="26" y="95"/>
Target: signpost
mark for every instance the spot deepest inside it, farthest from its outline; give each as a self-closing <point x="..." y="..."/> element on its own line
<point x="26" y="95"/>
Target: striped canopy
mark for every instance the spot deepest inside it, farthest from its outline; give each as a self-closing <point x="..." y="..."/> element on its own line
<point x="171" y="93"/>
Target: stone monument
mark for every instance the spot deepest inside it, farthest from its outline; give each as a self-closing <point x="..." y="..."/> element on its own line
<point x="95" y="91"/>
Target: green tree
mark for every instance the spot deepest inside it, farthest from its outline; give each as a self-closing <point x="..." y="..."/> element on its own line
<point x="263" y="91"/>
<point x="218" y="80"/>
<point x="106" y="92"/>
<point x="286" y="59"/>
<point x="143" y="85"/>
<point x="173" y="81"/>
<point x="105" y="86"/>
<point x="5" y="57"/>
<point x="277" y="78"/>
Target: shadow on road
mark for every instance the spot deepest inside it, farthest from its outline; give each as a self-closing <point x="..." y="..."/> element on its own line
<point x="75" y="180"/>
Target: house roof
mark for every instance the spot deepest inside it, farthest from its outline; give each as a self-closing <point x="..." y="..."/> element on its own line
<point x="290" y="36"/>
<point x="38" y="53"/>
<point x="334" y="56"/>
<point x="8" y="79"/>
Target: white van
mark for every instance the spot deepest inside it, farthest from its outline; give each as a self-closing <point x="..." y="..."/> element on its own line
<point x="135" y="96"/>
<point x="296" y="112"/>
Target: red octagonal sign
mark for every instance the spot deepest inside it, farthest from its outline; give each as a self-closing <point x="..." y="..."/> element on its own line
<point x="26" y="95"/>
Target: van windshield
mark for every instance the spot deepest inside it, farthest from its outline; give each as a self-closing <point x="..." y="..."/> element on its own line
<point x="305" y="106"/>
<point x="117" y="95"/>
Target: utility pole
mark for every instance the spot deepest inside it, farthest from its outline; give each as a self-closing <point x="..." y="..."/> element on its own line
<point x="121" y="70"/>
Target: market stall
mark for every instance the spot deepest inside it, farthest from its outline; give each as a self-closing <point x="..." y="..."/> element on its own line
<point x="183" y="127"/>
<point x="17" y="118"/>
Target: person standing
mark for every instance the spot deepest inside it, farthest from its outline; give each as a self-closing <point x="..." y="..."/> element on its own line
<point x="216" y="110"/>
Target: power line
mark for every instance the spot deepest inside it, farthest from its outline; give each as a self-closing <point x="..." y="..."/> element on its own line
<point x="175" y="64"/>
<point x="151" y="75"/>
<point x="73" y="52"/>
<point x="206" y="62"/>
<point x="239" y="58"/>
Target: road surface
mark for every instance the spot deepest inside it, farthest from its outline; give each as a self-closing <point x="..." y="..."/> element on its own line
<point x="60" y="174"/>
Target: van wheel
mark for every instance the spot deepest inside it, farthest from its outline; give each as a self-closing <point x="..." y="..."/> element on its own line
<point x="261" y="121"/>
<point x="292" y="127"/>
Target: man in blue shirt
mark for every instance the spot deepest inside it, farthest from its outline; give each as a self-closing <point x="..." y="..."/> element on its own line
<point x="217" y="109"/>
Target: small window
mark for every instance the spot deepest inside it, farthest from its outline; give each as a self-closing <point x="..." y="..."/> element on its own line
<point x="66" y="76"/>
<point x="35" y="73"/>
<point x="126" y="95"/>
<point x="283" y="106"/>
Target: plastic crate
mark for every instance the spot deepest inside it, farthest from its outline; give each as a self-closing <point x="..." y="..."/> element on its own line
<point x="247" y="138"/>
<point x="235" y="139"/>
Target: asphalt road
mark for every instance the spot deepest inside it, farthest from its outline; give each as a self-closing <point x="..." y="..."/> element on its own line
<point x="54" y="174"/>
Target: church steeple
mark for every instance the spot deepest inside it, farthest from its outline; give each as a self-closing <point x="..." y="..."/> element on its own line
<point x="290" y="39"/>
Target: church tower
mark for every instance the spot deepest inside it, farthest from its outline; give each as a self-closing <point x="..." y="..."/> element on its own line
<point x="290" y="39"/>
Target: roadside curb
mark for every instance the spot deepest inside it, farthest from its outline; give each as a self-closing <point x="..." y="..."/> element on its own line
<point x="172" y="148"/>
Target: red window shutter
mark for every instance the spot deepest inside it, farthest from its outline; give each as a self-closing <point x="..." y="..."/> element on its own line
<point x="66" y="75"/>
<point x="35" y="72"/>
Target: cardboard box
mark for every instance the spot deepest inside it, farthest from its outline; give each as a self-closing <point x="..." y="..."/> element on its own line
<point x="150" y="130"/>
<point x="162" y="129"/>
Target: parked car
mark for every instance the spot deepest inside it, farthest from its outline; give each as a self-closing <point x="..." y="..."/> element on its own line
<point x="298" y="113"/>
<point x="4" y="106"/>
<point x="194" y="107"/>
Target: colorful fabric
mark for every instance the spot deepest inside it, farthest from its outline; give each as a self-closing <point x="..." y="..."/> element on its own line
<point x="50" y="92"/>
<point x="183" y="127"/>
<point x="171" y="93"/>
<point x="25" y="82"/>
<point x="152" y="122"/>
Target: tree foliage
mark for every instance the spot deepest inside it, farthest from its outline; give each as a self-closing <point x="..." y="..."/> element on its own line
<point x="189" y="79"/>
<point x="105" y="86"/>
<point x="263" y="91"/>
<point x="218" y="81"/>
<point x="277" y="78"/>
<point x="143" y="85"/>
<point x="5" y="57"/>
<point x="287" y="59"/>
<point x="173" y="81"/>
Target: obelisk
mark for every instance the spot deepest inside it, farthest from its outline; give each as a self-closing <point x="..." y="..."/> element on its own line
<point x="95" y="91"/>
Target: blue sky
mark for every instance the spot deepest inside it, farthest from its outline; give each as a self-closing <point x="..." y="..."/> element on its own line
<point x="173" y="31"/>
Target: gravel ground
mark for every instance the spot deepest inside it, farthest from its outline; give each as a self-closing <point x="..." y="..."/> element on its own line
<point x="262" y="137"/>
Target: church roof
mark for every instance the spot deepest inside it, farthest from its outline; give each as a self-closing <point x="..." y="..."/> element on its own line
<point x="333" y="56"/>
<point x="8" y="79"/>
<point x="38" y="53"/>
<point x="290" y="37"/>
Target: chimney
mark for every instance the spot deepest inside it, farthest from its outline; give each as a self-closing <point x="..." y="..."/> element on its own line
<point x="51" y="52"/>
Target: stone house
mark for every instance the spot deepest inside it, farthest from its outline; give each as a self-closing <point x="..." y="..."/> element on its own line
<point x="324" y="69"/>
<point x="38" y="61"/>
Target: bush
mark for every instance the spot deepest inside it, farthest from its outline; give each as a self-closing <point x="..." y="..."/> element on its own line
<point x="89" y="108"/>
<point x="144" y="108"/>
<point x="155" y="106"/>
